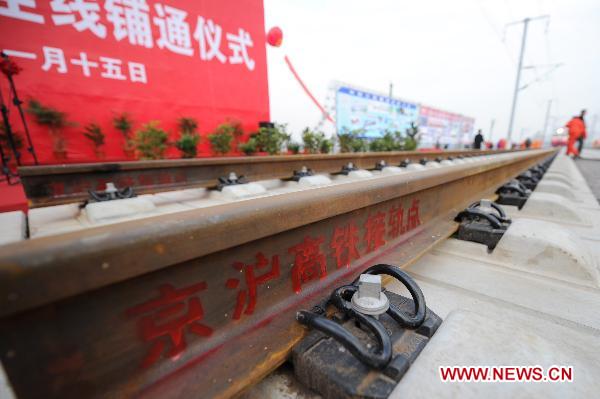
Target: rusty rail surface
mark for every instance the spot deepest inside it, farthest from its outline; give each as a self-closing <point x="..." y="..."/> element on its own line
<point x="201" y="303"/>
<point x="59" y="184"/>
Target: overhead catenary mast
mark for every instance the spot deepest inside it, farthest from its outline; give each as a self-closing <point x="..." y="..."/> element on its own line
<point x="525" y="23"/>
<point x="546" y="120"/>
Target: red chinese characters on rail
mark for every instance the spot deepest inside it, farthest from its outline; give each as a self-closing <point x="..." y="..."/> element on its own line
<point x="309" y="262"/>
<point x="398" y="224"/>
<point x="248" y="296"/>
<point x="396" y="221"/>
<point x="343" y="245"/>
<point x="375" y="231"/>
<point x="414" y="219"/>
<point x="165" y="319"/>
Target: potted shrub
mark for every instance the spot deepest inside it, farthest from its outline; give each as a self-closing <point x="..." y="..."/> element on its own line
<point x="188" y="141"/>
<point x="271" y="139"/>
<point x="412" y="138"/>
<point x="151" y="141"/>
<point x="94" y="133"/>
<point x="388" y="142"/>
<point x="293" y="147"/>
<point x="124" y="124"/>
<point x="56" y="121"/>
<point x="249" y="147"/>
<point x="220" y="140"/>
<point x="350" y="141"/>
<point x="236" y="131"/>
<point x="326" y="146"/>
<point x="312" y="141"/>
<point x="345" y="140"/>
<point x="187" y="145"/>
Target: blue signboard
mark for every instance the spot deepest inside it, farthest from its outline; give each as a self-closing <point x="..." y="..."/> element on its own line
<point x="372" y="114"/>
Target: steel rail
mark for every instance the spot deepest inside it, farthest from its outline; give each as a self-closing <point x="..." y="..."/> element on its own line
<point x="59" y="184"/>
<point x="202" y="302"/>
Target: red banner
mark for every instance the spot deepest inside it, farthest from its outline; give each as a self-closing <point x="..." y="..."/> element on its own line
<point x="157" y="61"/>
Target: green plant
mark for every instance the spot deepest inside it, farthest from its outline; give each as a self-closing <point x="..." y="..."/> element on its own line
<point x="345" y="140"/>
<point x="388" y="142"/>
<point x="151" y="141"/>
<point x="124" y="124"/>
<point x="326" y="146"/>
<point x="359" y="145"/>
<point x="249" y="147"/>
<point x="220" y="140"/>
<point x="271" y="139"/>
<point x="94" y="133"/>
<point x="293" y="147"/>
<point x="312" y="140"/>
<point x="350" y="141"/>
<point x="187" y="125"/>
<point x="187" y="144"/>
<point x="188" y="141"/>
<point x="235" y="127"/>
<point x="53" y="119"/>
<point x="47" y="116"/>
<point x="236" y="131"/>
<point x="412" y="140"/>
<point x="231" y="127"/>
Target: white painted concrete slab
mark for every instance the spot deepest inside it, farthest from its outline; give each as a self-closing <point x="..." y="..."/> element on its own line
<point x="239" y="191"/>
<point x="53" y="220"/>
<point x="535" y="300"/>
<point x="360" y="174"/>
<point x="13" y="227"/>
<point x="475" y="339"/>
<point x="100" y="212"/>
<point x="433" y="165"/>
<point x="314" y="181"/>
<point x="392" y="170"/>
<point x="562" y="189"/>
<point x="415" y="166"/>
<point x="548" y="249"/>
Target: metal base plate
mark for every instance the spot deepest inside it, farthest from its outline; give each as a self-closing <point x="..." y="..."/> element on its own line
<point x="324" y="365"/>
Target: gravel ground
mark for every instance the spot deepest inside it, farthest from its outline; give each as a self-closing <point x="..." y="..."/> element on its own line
<point x="589" y="166"/>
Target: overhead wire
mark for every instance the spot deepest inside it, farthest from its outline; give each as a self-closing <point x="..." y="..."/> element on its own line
<point x="496" y="31"/>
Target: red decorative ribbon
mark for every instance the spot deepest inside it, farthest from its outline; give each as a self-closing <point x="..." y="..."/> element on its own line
<point x="314" y="100"/>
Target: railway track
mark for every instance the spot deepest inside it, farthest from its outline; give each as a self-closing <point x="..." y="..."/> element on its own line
<point x="204" y="300"/>
<point x="60" y="184"/>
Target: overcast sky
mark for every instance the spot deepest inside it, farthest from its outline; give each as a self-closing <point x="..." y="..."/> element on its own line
<point x="447" y="54"/>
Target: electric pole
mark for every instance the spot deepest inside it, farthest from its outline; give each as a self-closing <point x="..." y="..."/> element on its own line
<point x="546" y="122"/>
<point x="492" y="123"/>
<point x="391" y="88"/>
<point x="525" y="23"/>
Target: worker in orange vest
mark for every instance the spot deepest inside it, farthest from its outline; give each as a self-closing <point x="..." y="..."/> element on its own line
<point x="577" y="132"/>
